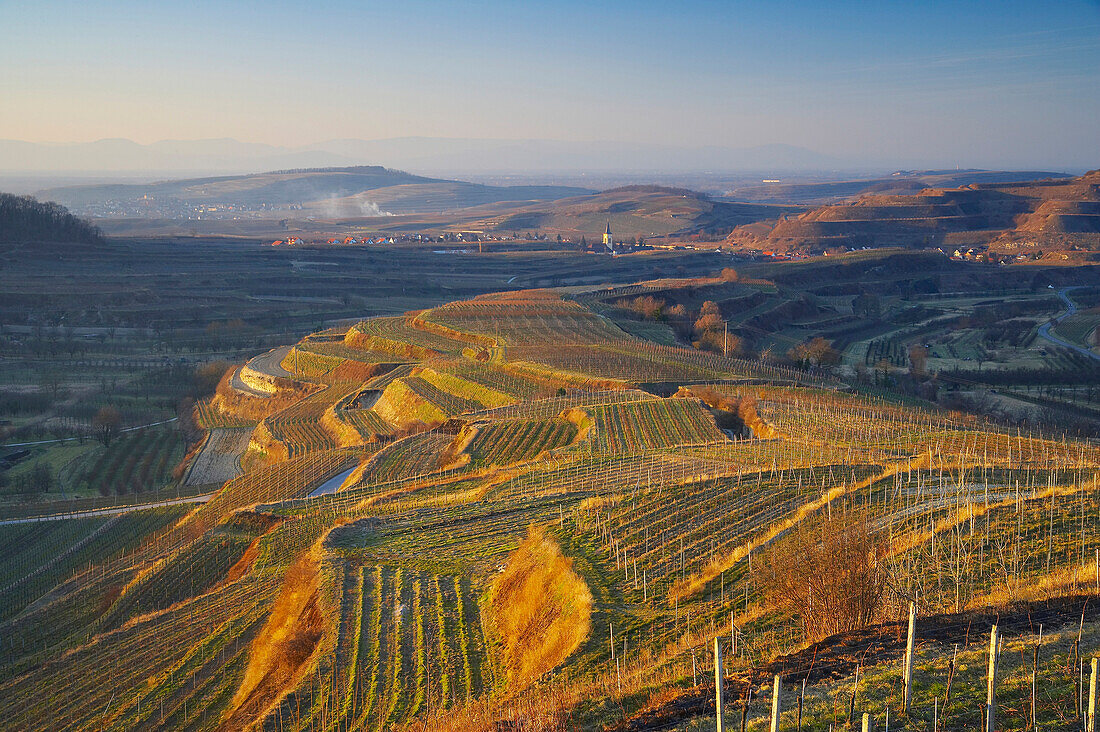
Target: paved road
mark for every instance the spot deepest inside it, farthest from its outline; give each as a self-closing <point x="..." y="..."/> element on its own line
<point x="270" y="363"/>
<point x="236" y="383"/>
<point x="106" y="511"/>
<point x="1071" y="308"/>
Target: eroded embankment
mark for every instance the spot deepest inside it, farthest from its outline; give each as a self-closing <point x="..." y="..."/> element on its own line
<point x="539" y="609"/>
<point x="736" y="413"/>
<point x="280" y="654"/>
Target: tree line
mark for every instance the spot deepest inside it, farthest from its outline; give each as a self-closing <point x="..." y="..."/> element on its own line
<point x="24" y="218"/>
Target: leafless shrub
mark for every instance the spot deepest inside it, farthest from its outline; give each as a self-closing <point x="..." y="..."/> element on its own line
<point x="831" y="575"/>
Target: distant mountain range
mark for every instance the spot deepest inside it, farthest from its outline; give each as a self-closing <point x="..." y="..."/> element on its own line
<point x="425" y="154"/>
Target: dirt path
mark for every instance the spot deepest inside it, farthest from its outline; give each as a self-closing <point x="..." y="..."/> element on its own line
<point x="837" y="657"/>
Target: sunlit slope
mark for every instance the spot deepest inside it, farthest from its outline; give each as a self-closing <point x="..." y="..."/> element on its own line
<point x="477" y="512"/>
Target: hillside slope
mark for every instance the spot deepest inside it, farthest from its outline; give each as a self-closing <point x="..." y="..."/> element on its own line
<point x="353" y="191"/>
<point x="903" y="182"/>
<point x="638" y="210"/>
<point x="1055" y="215"/>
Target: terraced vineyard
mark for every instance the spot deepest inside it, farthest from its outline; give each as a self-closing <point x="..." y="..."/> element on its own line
<point x="366" y="422"/>
<point x="503" y="443"/>
<point x="401" y="330"/>
<point x="640" y="426"/>
<point x="40" y="554"/>
<point x="512" y="533"/>
<point x="408" y="643"/>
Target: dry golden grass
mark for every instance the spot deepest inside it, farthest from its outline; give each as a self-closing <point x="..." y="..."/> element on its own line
<point x="232" y="402"/>
<point x="540" y="609"/>
<point x="280" y="653"/>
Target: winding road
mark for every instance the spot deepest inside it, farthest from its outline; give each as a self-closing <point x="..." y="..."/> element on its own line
<point x="270" y="363"/>
<point x="1071" y="308"/>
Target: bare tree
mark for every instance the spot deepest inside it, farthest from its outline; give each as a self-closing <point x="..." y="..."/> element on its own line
<point x="106" y="423"/>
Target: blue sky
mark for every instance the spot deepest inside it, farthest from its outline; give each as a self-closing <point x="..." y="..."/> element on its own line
<point x="994" y="83"/>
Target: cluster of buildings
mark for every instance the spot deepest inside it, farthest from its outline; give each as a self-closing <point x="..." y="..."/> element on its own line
<point x="291" y="241"/>
<point x="973" y="254"/>
<point x="352" y="240"/>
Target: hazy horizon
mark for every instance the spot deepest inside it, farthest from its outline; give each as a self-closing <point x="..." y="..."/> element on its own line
<point x="993" y="85"/>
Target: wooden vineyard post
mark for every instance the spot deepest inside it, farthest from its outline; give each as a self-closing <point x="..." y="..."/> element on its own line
<point x="991" y="680"/>
<point x="1034" y="679"/>
<point x="867" y="725"/>
<point x="719" y="691"/>
<point x="852" y="701"/>
<point x="909" y="641"/>
<point x="1090" y="720"/>
<point x="801" y="701"/>
<point x="777" y="688"/>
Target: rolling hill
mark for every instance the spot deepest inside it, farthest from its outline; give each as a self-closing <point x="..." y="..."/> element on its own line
<point x="631" y="210"/>
<point x="358" y="191"/>
<point x="23" y="219"/>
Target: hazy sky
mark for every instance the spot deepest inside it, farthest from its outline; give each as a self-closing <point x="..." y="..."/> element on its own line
<point x="979" y="83"/>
